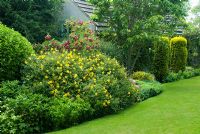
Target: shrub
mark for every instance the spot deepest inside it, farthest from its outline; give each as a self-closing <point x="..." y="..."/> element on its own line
<point x="81" y="38"/>
<point x="143" y="76"/>
<point x="95" y="78"/>
<point x="10" y="89"/>
<point x="65" y="112"/>
<point x="32" y="108"/>
<point x="161" y="58"/>
<point x="182" y="75"/>
<point x="14" y="49"/>
<point x="24" y="112"/>
<point x="111" y="49"/>
<point x="9" y="122"/>
<point x="37" y="113"/>
<point x="179" y="54"/>
<point x="148" y="89"/>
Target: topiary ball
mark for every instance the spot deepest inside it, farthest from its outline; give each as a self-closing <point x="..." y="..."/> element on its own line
<point x="14" y="49"/>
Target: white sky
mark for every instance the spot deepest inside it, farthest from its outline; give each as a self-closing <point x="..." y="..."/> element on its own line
<point x="193" y="3"/>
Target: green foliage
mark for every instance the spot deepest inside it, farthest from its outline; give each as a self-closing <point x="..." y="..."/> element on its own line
<point x="95" y="78"/>
<point x="161" y="58"/>
<point x="32" y="18"/>
<point x="192" y="36"/>
<point x="130" y="28"/>
<point x="81" y="38"/>
<point x="182" y="75"/>
<point x="14" y="49"/>
<point x="148" y="89"/>
<point x="9" y="122"/>
<point x="25" y="112"/>
<point x="32" y="110"/>
<point x="65" y="112"/>
<point x="143" y="76"/>
<point x="179" y="54"/>
<point x="10" y="89"/>
<point x="111" y="49"/>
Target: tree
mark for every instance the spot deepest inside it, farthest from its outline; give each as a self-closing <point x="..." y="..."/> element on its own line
<point x="32" y="18"/>
<point x="133" y="21"/>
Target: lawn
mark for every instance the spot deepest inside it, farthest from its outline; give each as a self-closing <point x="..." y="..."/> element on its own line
<point x="175" y="111"/>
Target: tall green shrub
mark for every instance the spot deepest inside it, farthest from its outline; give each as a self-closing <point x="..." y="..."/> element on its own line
<point x="161" y="58"/>
<point x="14" y="49"/>
<point x="179" y="54"/>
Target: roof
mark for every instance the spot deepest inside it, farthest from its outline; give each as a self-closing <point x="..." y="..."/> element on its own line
<point x="89" y="10"/>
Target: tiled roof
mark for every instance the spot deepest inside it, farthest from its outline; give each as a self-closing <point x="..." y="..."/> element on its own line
<point x="88" y="9"/>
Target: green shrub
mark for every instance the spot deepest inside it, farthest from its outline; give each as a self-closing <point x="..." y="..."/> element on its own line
<point x="148" y="89"/>
<point x="9" y="122"/>
<point x="32" y="108"/>
<point x="182" y="75"/>
<point x="179" y="54"/>
<point x="65" y="112"/>
<point x="161" y="58"/>
<point x="24" y="112"/>
<point x="111" y="49"/>
<point x="10" y="89"/>
<point x="143" y="76"/>
<point x="95" y="78"/>
<point x="14" y="49"/>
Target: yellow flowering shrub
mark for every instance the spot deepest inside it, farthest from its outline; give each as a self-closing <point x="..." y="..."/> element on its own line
<point x="95" y="78"/>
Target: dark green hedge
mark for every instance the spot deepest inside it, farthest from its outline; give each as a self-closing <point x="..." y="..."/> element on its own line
<point x="161" y="58"/>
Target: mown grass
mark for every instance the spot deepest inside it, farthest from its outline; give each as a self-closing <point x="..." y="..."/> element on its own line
<point x="175" y="111"/>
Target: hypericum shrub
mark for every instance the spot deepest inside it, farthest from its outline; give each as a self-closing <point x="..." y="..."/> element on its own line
<point x="80" y="38"/>
<point x="161" y="58"/>
<point x="143" y="76"/>
<point x="179" y="54"/>
<point x="14" y="49"/>
<point x="95" y="78"/>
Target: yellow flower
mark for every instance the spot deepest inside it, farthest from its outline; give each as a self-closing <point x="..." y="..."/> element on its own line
<point x="42" y="67"/>
<point x="96" y="94"/>
<point x="78" y="96"/>
<point x="64" y="81"/>
<point x="68" y="71"/>
<point x="67" y="94"/>
<point x="91" y="74"/>
<point x="110" y="96"/>
<point x="104" y="104"/>
<point x="54" y="92"/>
<point x="129" y="93"/>
<point x="81" y="67"/>
<point x="46" y="77"/>
<point x="109" y="73"/>
<point x="41" y="57"/>
<point x="50" y="82"/>
<point x="75" y="76"/>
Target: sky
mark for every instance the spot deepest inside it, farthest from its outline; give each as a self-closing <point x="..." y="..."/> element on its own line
<point x="193" y="3"/>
